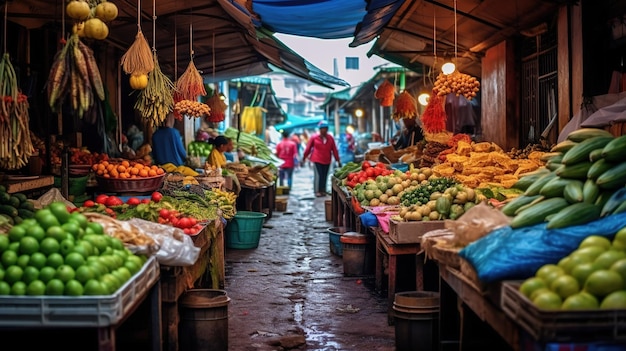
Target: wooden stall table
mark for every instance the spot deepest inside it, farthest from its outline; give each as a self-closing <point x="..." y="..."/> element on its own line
<point x="343" y="213"/>
<point x="20" y="184"/>
<point x="259" y="199"/>
<point x="207" y="272"/>
<point x="386" y="248"/>
<point x="470" y="318"/>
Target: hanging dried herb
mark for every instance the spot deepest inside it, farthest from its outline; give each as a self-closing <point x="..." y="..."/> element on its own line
<point x="434" y="116"/>
<point x="405" y="106"/>
<point x="385" y="93"/>
<point x="190" y="84"/>
<point x="156" y="100"/>
<point x="138" y="58"/>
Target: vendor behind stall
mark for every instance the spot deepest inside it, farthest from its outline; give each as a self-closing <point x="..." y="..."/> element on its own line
<point x="220" y="146"/>
<point x="167" y="144"/>
<point x="410" y="134"/>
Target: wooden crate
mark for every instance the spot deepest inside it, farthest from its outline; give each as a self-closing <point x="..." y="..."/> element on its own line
<point x="411" y="232"/>
<point x="559" y="325"/>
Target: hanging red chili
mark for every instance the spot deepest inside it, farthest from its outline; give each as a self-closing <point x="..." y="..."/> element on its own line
<point x="434" y="116"/>
<point x="405" y="106"/>
<point x="385" y="93"/>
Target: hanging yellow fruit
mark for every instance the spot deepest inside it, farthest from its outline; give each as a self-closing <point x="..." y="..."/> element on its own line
<point x="106" y="11"/>
<point x="78" y="10"/>
<point x="138" y="81"/>
<point x="96" y="29"/>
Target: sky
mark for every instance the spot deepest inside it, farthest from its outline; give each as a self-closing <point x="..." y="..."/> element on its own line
<point x="322" y="52"/>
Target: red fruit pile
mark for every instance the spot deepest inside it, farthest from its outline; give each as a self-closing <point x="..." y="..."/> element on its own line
<point x="368" y="171"/>
<point x="189" y="225"/>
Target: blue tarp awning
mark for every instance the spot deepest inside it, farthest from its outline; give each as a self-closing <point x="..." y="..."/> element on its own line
<point x="294" y="122"/>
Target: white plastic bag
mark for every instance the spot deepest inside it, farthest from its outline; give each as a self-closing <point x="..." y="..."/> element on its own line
<point x="51" y="196"/>
<point x="477" y="222"/>
<point x="175" y="247"/>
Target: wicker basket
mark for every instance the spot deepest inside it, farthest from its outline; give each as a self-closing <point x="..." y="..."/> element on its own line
<point x="138" y="185"/>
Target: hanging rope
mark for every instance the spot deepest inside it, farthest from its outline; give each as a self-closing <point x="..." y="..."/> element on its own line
<point x="4" y="37"/>
<point x="455" y="35"/>
<point x="154" y="17"/>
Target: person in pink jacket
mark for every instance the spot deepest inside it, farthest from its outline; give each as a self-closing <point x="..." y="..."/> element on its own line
<point x="321" y="148"/>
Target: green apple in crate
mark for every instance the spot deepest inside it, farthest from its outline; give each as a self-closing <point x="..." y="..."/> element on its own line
<point x="61" y="253"/>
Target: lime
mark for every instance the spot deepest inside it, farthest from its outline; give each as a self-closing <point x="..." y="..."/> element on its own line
<point x="29" y="222"/>
<point x="36" y="288"/>
<point x="111" y="281"/>
<point x="46" y="219"/>
<point x="65" y="273"/>
<point x="55" y="260"/>
<point x="22" y="260"/>
<point x="46" y="274"/>
<point x="530" y="285"/>
<point x="122" y="274"/>
<point x="14" y="246"/>
<point x="8" y="258"/>
<point x="548" y="300"/>
<point x="596" y="240"/>
<point x="603" y="282"/>
<point x="59" y="210"/>
<point x="582" y="271"/>
<point x="72" y="228"/>
<point x="132" y="267"/>
<point x="13" y="274"/>
<point x="620" y="267"/>
<point x="38" y="260"/>
<point x="565" y="286"/>
<point x="16" y="233"/>
<point x="580" y="301"/>
<point x="96" y="227"/>
<point x="30" y="273"/>
<point x="49" y="246"/>
<point x="94" y="287"/>
<point x="73" y="288"/>
<point x="36" y="232"/>
<point x="138" y="260"/>
<point x="74" y="260"/>
<point x="110" y="262"/>
<point x="123" y="254"/>
<point x="98" y="268"/>
<point x="29" y="245"/>
<point x="84" y="273"/>
<point x="55" y="287"/>
<point x="18" y="288"/>
<point x="606" y="259"/>
<point x="117" y="243"/>
<point x="79" y="218"/>
<point x="4" y="242"/>
<point x="66" y="247"/>
<point x="84" y="247"/>
<point x="614" y="300"/>
<point x="57" y="232"/>
<point x="5" y="288"/>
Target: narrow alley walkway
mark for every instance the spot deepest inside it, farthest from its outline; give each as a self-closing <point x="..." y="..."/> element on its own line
<point x="290" y="293"/>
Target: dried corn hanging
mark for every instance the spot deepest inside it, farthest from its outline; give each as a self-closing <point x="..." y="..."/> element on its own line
<point x="385" y="93"/>
<point x="138" y="59"/>
<point x="405" y="107"/>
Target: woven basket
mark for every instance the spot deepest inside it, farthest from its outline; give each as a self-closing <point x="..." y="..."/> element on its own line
<point x="139" y="185"/>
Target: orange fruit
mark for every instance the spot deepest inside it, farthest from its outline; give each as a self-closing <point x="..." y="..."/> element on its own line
<point x="134" y="170"/>
<point x="160" y="171"/>
<point x="143" y="173"/>
<point x="152" y="173"/>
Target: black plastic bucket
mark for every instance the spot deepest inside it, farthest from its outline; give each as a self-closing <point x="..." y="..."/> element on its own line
<point x="204" y="320"/>
<point x="416" y="320"/>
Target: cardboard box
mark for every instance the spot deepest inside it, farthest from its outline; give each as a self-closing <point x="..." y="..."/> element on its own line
<point x="411" y="232"/>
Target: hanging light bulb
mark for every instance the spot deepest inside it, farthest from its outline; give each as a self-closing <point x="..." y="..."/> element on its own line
<point x="450" y="67"/>
<point x="423" y="98"/>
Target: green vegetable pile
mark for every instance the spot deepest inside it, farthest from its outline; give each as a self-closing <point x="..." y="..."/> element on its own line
<point x="422" y="194"/>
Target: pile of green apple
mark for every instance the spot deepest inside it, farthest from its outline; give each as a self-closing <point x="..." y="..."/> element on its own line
<point x="62" y="253"/>
<point x="592" y="277"/>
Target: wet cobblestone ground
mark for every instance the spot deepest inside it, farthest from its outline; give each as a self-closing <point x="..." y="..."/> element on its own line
<point x="291" y="293"/>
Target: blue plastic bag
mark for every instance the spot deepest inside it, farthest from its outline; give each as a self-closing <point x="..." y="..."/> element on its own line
<point x="507" y="253"/>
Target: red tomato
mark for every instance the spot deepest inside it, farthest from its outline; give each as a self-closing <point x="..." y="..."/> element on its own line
<point x="89" y="203"/>
<point x="145" y="201"/>
<point x="174" y="221"/>
<point x="370" y="172"/>
<point x="183" y="222"/>
<point x="164" y="213"/>
<point x="192" y="221"/>
<point x="133" y="201"/>
<point x="113" y="201"/>
<point x="366" y="165"/>
<point x="156" y="196"/>
<point x="102" y="198"/>
<point x="187" y="231"/>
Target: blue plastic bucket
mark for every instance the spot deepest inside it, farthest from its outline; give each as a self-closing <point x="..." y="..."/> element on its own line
<point x="244" y="230"/>
<point x="334" y="236"/>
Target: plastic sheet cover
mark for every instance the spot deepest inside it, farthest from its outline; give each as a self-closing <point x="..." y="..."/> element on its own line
<point x="508" y="253"/>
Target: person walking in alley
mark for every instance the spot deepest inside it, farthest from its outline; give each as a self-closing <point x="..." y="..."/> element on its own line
<point x="321" y="147"/>
<point x="286" y="150"/>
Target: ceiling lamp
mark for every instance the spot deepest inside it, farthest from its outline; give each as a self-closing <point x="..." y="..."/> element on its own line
<point x="423" y="98"/>
<point x="450" y="67"/>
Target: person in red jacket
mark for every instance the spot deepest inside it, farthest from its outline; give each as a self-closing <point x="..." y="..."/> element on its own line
<point x="321" y="147"/>
<point x="286" y="150"/>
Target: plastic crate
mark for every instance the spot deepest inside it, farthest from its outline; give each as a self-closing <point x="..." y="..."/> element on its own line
<point x="78" y="311"/>
<point x="562" y="326"/>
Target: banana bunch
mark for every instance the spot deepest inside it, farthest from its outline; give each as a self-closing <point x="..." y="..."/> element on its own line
<point x="169" y="167"/>
<point x="190" y="180"/>
<point x="193" y="109"/>
<point x="225" y="201"/>
<point x="182" y="169"/>
<point x="457" y="83"/>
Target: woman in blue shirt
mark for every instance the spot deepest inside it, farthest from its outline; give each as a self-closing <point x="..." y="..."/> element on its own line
<point x="167" y="144"/>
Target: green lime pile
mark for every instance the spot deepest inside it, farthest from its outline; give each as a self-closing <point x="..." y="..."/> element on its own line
<point x="61" y="253"/>
<point x="591" y="277"/>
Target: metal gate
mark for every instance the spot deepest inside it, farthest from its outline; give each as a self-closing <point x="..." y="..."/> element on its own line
<point x="539" y="78"/>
